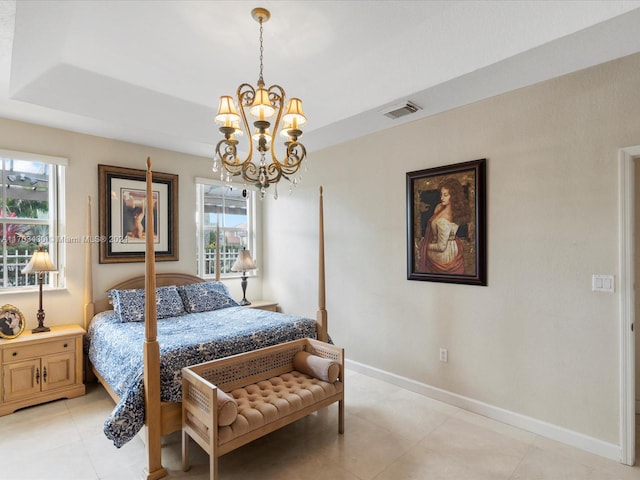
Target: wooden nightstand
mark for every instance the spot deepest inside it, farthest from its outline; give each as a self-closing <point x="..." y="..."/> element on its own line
<point x="264" y="305"/>
<point x="40" y="367"/>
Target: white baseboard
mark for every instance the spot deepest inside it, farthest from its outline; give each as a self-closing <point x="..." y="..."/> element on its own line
<point x="539" y="427"/>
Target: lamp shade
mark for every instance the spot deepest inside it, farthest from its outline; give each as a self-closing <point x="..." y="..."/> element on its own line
<point x="227" y="112"/>
<point x="244" y="262"/>
<point x="40" y="262"/>
<point x="236" y="125"/>
<point x="286" y="130"/>
<point x="294" y="115"/>
<point x="267" y="135"/>
<point x="261" y="107"/>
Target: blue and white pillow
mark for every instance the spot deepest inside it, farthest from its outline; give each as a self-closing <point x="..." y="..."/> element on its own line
<point x="169" y="302"/>
<point x="129" y="304"/>
<point x="205" y="297"/>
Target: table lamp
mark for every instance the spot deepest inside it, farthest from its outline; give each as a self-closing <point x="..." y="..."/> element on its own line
<point x="40" y="262"/>
<point x="243" y="263"/>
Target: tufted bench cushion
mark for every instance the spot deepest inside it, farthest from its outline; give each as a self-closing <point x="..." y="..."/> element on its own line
<point x="269" y="400"/>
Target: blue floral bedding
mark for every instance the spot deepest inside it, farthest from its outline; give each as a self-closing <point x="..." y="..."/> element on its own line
<point x="116" y="351"/>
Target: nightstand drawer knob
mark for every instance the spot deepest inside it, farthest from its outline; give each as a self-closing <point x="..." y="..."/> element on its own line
<point x="15" y="354"/>
<point x="65" y="345"/>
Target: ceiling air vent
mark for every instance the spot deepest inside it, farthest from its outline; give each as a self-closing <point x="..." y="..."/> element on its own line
<point x="401" y="110"/>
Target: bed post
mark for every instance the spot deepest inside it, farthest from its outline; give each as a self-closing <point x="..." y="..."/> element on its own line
<point x="151" y="347"/>
<point x="88" y="274"/>
<point x="321" y="316"/>
<point x="89" y="307"/>
<point x="218" y="262"/>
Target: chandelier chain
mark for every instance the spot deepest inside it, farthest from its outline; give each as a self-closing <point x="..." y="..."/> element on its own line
<point x="261" y="50"/>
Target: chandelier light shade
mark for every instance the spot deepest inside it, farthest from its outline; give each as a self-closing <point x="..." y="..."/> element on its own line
<point x="227" y="113"/>
<point x="269" y="113"/>
<point x="40" y="262"/>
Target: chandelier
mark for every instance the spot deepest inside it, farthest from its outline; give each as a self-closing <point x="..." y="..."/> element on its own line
<point x="262" y="105"/>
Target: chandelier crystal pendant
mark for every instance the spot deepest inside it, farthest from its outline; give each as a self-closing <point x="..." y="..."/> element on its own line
<point x="262" y="105"/>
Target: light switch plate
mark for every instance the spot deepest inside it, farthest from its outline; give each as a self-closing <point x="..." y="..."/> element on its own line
<point x="602" y="283"/>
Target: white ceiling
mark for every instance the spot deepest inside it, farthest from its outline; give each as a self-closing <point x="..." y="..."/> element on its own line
<point x="151" y="72"/>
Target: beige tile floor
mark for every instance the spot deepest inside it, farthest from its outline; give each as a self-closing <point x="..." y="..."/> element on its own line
<point x="390" y="434"/>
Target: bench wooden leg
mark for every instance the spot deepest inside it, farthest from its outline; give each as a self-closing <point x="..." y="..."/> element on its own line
<point x="185" y="451"/>
<point x="341" y="416"/>
<point x="213" y="466"/>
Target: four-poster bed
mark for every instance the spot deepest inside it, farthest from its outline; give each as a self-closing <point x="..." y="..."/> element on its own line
<point x="160" y="352"/>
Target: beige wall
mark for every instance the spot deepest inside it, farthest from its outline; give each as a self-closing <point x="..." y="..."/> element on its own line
<point x="85" y="152"/>
<point x="537" y="341"/>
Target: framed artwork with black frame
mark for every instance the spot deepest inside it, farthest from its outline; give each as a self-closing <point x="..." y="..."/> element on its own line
<point x="122" y="198"/>
<point x="446" y="224"/>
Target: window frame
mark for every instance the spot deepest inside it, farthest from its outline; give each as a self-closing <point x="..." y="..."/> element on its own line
<point x="56" y="221"/>
<point x="252" y="241"/>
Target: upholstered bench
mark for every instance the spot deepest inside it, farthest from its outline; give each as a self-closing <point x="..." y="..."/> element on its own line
<point x="229" y="402"/>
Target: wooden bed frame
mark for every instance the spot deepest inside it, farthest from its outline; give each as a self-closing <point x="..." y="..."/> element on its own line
<point x="162" y="418"/>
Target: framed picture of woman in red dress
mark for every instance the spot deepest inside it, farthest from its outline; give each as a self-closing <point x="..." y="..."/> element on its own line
<point x="446" y="224"/>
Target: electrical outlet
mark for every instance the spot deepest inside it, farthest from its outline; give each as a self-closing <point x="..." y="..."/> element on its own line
<point x="444" y="355"/>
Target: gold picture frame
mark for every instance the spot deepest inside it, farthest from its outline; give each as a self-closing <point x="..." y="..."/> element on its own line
<point x="12" y="322"/>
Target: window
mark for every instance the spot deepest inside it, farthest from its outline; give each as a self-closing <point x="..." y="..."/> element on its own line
<point x="31" y="215"/>
<point x="225" y="215"/>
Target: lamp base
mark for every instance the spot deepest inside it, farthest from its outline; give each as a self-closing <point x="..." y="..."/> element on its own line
<point x="40" y="316"/>
<point x="244" y="302"/>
